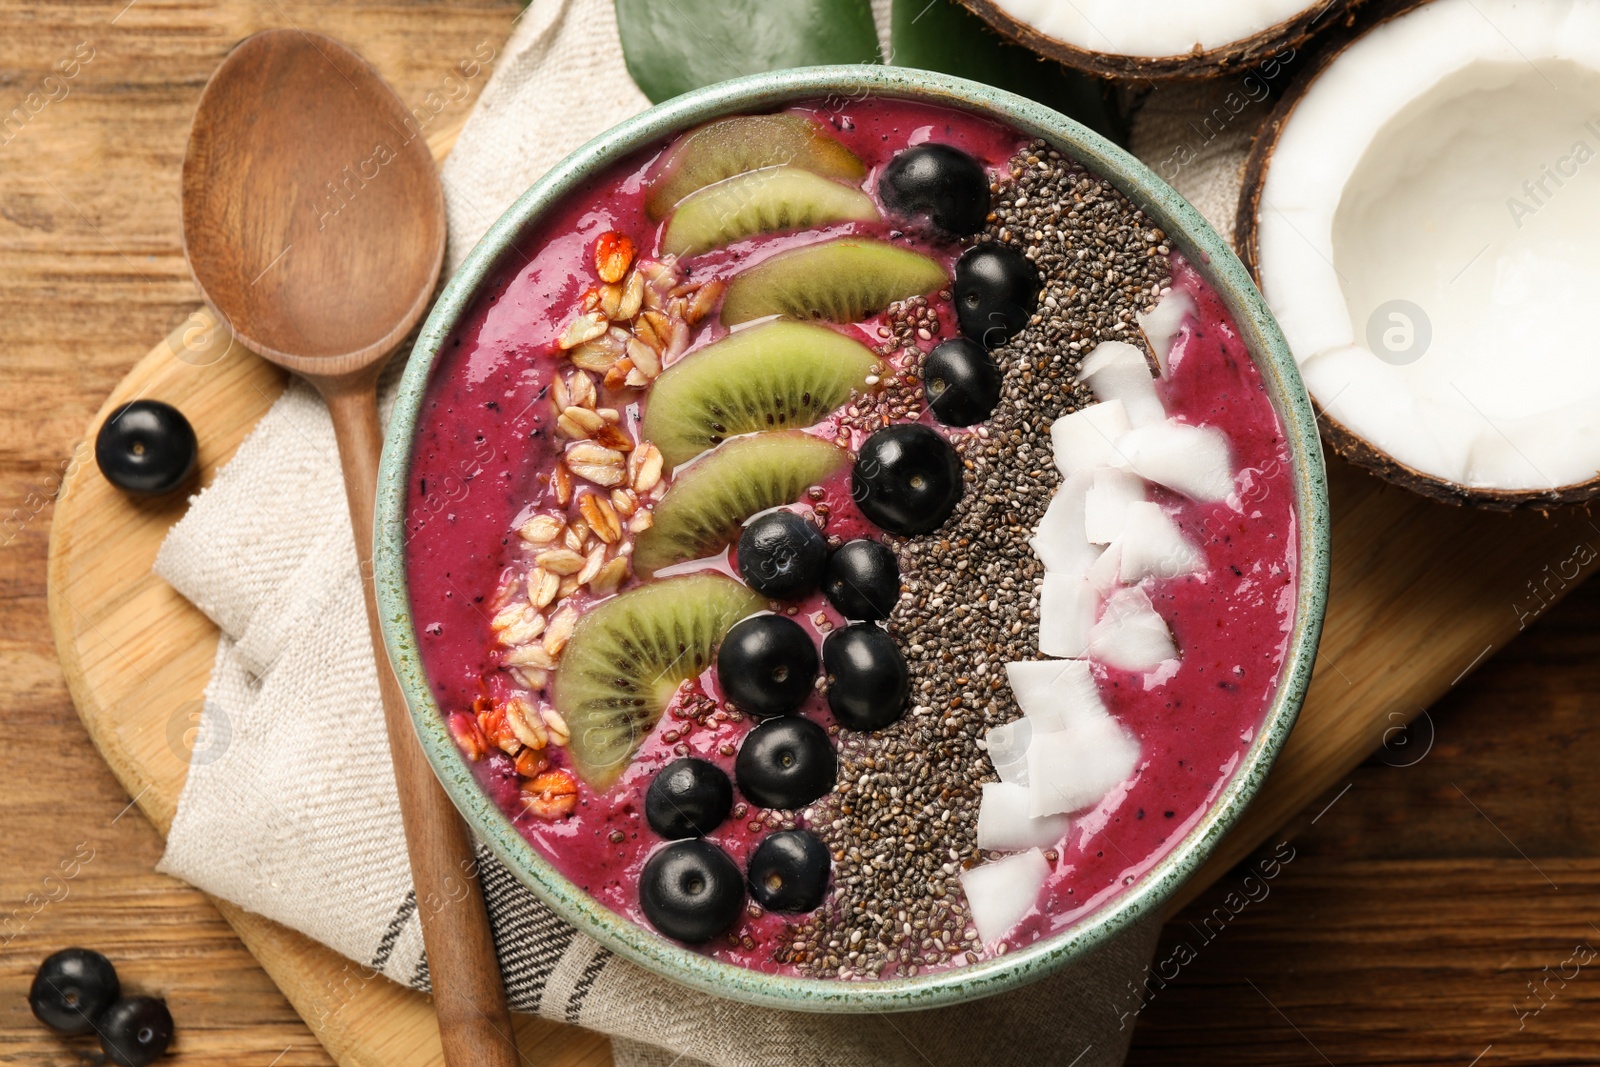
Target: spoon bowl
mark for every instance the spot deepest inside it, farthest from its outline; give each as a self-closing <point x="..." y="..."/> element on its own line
<point x="305" y="173"/>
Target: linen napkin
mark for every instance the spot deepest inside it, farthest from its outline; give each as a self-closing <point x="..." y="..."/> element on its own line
<point x="289" y="809"/>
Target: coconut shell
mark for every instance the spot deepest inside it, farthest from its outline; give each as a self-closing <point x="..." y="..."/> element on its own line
<point x="1234" y="56"/>
<point x="1339" y="437"/>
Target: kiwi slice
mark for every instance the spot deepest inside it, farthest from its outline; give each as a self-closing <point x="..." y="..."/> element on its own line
<point x="762" y="201"/>
<point x="727" y="147"/>
<point x="776" y="376"/>
<point x="844" y="280"/>
<point x="706" y="504"/>
<point x="628" y="656"/>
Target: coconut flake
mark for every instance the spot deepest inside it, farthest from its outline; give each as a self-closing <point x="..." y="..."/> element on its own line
<point x="1066" y="614"/>
<point x="1004" y="824"/>
<point x="1052" y="692"/>
<point x="1153" y="546"/>
<point x="1008" y="750"/>
<point x="1088" y="437"/>
<point x="1073" y="768"/>
<point x="1059" y="542"/>
<point x="1076" y="751"/>
<point x="1003" y="891"/>
<point x="1106" y="502"/>
<point x="1192" y="460"/>
<point x="1116" y="370"/>
<point x="1130" y="635"/>
<point x="1106" y="573"/>
<point x="1162" y="324"/>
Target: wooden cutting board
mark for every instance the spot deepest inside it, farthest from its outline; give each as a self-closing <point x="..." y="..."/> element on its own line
<point x="1421" y="594"/>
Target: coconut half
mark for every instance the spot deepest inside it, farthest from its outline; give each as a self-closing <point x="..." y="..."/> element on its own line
<point x="1423" y="216"/>
<point x="1161" y="38"/>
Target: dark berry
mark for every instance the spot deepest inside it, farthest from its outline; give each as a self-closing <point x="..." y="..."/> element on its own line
<point x="961" y="381"/>
<point x="789" y="871"/>
<point x="996" y="292"/>
<point x="786" y="763"/>
<point x="767" y="665"/>
<point x="691" y="891"/>
<point x="146" y="447"/>
<point x="71" y="988"/>
<point x="862" y="580"/>
<point x="135" y="1031"/>
<point x="781" y="555"/>
<point x="868" y="684"/>
<point x="689" y="798"/>
<point x="907" y="479"/>
<point x="942" y="183"/>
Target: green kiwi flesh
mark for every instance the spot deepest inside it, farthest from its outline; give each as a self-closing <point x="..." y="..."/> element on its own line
<point x="627" y="657"/>
<point x="843" y="280"/>
<point x="705" y="506"/>
<point x="771" y="200"/>
<point x="732" y="146"/>
<point x="776" y="376"/>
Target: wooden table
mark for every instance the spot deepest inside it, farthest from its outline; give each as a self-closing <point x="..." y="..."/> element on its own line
<point x="1418" y="906"/>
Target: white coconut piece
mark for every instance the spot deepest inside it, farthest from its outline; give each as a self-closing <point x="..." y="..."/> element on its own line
<point x="1073" y="768"/>
<point x="1005" y="825"/>
<point x="1116" y="370"/>
<point x="1052" y="692"/>
<point x="1088" y="437"/>
<point x="1150" y="28"/>
<point x="1002" y="892"/>
<point x="1153" y="546"/>
<point x="1106" y="502"/>
<point x="1130" y="634"/>
<point x="1193" y="460"/>
<point x="1105" y="574"/>
<point x="1067" y="604"/>
<point x="1008" y="750"/>
<point x="1426" y="240"/>
<point x="1059" y="542"/>
<point x="1162" y="324"/>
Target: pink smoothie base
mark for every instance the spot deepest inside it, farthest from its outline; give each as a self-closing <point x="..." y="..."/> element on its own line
<point x="481" y="461"/>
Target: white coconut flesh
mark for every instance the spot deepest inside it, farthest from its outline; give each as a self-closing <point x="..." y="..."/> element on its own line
<point x="1429" y="240"/>
<point x="1067" y="604"/>
<point x="1162" y="324"/>
<point x="1101" y="540"/>
<point x="1153" y="546"/>
<point x="1151" y="28"/>
<point x="1116" y="370"/>
<point x="1008" y="750"/>
<point x="1131" y="635"/>
<point x="1005" y="823"/>
<point x="1105" y="505"/>
<point x="1003" y="892"/>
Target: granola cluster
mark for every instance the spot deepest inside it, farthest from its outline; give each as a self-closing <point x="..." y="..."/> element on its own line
<point x="597" y="496"/>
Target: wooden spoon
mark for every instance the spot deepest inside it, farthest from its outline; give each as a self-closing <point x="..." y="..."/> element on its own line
<point x="313" y="221"/>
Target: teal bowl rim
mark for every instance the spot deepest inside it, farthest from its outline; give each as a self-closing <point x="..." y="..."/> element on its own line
<point x="1186" y="230"/>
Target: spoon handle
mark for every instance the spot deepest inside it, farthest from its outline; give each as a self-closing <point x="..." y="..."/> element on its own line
<point x="468" y="994"/>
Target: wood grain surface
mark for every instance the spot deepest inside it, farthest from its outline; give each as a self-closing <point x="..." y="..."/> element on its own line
<point x="1429" y="912"/>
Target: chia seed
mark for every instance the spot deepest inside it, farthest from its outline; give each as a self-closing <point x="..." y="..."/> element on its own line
<point x="902" y="821"/>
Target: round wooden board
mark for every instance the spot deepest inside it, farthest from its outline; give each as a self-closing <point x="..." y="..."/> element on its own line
<point x="137" y="657"/>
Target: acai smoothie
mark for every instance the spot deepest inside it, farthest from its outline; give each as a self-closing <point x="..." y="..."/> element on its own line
<point x="851" y="540"/>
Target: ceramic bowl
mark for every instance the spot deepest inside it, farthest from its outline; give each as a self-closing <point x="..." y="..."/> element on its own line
<point x="1187" y="231"/>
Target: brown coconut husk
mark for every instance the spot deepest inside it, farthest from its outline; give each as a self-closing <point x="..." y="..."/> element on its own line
<point x="1343" y="440"/>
